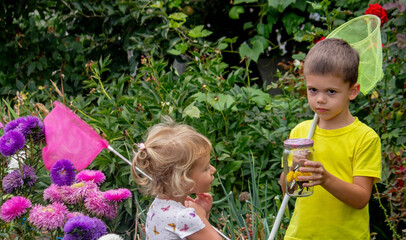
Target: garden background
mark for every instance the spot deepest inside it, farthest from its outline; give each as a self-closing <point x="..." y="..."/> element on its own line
<point x="231" y="69"/>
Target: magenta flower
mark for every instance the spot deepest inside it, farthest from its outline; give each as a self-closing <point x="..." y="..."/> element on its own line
<point x="117" y="195"/>
<point x="52" y="193"/>
<point x="63" y="172"/>
<point x="95" y="176"/>
<point x="11" y="142"/>
<point x="14" y="207"/>
<point x="48" y="217"/>
<point x="99" y="206"/>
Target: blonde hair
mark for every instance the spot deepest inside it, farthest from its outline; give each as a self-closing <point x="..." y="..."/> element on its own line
<point x="333" y="56"/>
<point x="170" y="152"/>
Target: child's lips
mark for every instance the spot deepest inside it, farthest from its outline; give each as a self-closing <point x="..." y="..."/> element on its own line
<point x="321" y="110"/>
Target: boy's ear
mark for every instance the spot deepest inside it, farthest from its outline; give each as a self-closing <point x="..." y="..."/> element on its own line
<point x="354" y="91"/>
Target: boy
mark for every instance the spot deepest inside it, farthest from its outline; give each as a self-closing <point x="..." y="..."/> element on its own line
<point x="347" y="153"/>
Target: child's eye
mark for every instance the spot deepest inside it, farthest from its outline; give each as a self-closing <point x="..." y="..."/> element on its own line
<point x="312" y="90"/>
<point x="331" y="91"/>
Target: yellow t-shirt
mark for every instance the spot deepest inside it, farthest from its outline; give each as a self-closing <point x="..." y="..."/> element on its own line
<point x="354" y="150"/>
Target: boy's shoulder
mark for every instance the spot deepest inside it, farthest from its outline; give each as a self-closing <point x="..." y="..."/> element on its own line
<point x="357" y="128"/>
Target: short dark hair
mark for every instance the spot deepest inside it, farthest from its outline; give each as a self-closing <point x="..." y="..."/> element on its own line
<point x="333" y="56"/>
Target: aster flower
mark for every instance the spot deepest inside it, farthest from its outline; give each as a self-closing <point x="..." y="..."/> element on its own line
<point x="84" y="227"/>
<point x="14" y="207"/>
<point x="15" y="125"/>
<point x="111" y="236"/>
<point x="33" y="123"/>
<point x="48" y="217"/>
<point x="29" y="175"/>
<point x="12" y="181"/>
<point x="74" y="214"/>
<point x="26" y="125"/>
<point x="69" y="195"/>
<point x="117" y="195"/>
<point x="52" y="193"/>
<point x="1" y="125"/>
<point x="83" y="189"/>
<point x="11" y="142"/>
<point x="63" y="172"/>
<point x="99" y="206"/>
<point x="95" y="176"/>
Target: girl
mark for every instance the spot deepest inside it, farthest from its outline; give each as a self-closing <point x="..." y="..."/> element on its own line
<point x="177" y="158"/>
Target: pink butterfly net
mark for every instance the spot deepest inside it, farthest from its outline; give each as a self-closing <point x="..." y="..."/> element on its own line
<point x="69" y="137"/>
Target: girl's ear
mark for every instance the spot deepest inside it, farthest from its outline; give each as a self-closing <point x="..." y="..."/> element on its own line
<point x="354" y="90"/>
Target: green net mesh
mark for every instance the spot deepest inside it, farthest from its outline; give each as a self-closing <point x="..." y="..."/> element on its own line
<point x="363" y="33"/>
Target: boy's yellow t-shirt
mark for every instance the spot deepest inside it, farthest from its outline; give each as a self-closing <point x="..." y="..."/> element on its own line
<point x="354" y="150"/>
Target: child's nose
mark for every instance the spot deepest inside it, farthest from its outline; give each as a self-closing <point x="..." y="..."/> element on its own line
<point x="321" y="98"/>
<point x="213" y="169"/>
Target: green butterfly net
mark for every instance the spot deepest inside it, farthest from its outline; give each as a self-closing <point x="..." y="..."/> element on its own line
<point x="363" y="34"/>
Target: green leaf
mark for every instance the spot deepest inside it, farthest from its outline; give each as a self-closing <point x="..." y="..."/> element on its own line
<point x="31" y="68"/>
<point x="222" y="102"/>
<point x="291" y="21"/>
<point x="11" y="110"/>
<point x="252" y="53"/>
<point x="280" y="5"/>
<point x="178" y="16"/>
<point x="198" y="31"/>
<point x="232" y="166"/>
<point x="245" y="1"/>
<point x="235" y="12"/>
<point x="192" y="111"/>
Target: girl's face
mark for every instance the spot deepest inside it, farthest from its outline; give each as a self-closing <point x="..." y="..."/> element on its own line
<point x="202" y="174"/>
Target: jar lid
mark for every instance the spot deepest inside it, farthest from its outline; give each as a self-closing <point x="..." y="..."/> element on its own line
<point x="298" y="143"/>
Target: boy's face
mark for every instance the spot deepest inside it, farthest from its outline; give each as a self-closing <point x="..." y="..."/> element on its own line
<point x="329" y="97"/>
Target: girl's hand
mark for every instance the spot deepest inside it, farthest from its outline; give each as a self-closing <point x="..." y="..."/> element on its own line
<point x="204" y="200"/>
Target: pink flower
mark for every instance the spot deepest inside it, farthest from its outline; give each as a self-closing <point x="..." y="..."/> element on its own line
<point x="52" y="193"/>
<point x="96" y="204"/>
<point x="117" y="195"/>
<point x="14" y="207"/>
<point x="69" y="195"/>
<point x="95" y="176"/>
<point x="83" y="189"/>
<point x="48" y="217"/>
<point x="74" y="214"/>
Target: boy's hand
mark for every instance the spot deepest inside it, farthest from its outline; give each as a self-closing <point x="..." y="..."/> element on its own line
<point x="318" y="172"/>
<point x="204" y="200"/>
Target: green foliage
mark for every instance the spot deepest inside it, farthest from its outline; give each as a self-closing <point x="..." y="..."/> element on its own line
<point x="112" y="63"/>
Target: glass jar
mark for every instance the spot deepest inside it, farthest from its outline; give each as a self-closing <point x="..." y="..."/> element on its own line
<point x="296" y="152"/>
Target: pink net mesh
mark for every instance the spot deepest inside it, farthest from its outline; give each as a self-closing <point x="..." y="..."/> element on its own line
<point x="69" y="137"/>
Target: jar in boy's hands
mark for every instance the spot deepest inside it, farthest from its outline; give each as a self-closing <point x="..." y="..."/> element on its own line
<point x="296" y="152"/>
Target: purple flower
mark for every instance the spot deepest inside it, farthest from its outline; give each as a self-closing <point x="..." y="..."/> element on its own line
<point x="63" y="172"/>
<point x="97" y="205"/>
<point x="84" y="227"/>
<point x="14" y="207"/>
<point x="12" y="181"/>
<point x="48" y="217"/>
<point x="15" y="125"/>
<point x="29" y="175"/>
<point x="29" y="125"/>
<point x="117" y="195"/>
<point x="11" y="142"/>
<point x="95" y="176"/>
